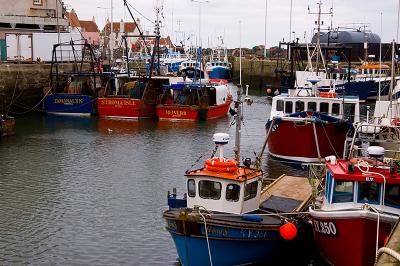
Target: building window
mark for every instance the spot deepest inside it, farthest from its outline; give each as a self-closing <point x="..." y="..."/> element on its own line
<point x="250" y="191"/>
<point x="191" y="188"/>
<point x="232" y="192"/>
<point x="343" y="191"/>
<point x="37" y="2"/>
<point x="210" y="189"/>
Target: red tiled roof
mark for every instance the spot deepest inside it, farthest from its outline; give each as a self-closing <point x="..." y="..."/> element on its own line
<point x="89" y="25"/>
<point x="128" y="27"/>
<point x="73" y="19"/>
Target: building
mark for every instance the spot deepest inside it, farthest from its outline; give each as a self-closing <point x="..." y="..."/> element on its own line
<point x="87" y="28"/>
<point x="20" y="18"/>
<point x="120" y="29"/>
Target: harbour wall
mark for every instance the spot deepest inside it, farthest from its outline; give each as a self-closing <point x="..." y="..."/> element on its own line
<point x="255" y="73"/>
<point x="21" y="85"/>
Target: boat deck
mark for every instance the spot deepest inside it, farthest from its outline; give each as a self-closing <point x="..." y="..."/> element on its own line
<point x="286" y="194"/>
<point x="394" y="244"/>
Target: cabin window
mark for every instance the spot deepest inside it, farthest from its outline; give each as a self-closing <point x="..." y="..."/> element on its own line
<point x="324" y="107"/>
<point x="335" y="109"/>
<point x="191" y="188"/>
<point x="312" y="106"/>
<point x="232" y="192"/>
<point x="210" y="189"/>
<point x="279" y="105"/>
<point x="368" y="192"/>
<point x="250" y="190"/>
<point x="343" y="191"/>
<point x="299" y="106"/>
<point x="288" y="107"/>
<point x="349" y="110"/>
<point x="392" y="195"/>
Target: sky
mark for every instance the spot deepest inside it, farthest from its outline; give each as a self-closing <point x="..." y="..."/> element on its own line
<point x="242" y="22"/>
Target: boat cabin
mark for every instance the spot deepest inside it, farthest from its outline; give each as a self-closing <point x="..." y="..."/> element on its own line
<point x="224" y="186"/>
<point x="218" y="64"/>
<point x="348" y="107"/>
<point x="350" y="184"/>
<point x="236" y="193"/>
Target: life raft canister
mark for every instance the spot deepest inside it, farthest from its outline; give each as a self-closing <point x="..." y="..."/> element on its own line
<point x="329" y="94"/>
<point x="221" y="165"/>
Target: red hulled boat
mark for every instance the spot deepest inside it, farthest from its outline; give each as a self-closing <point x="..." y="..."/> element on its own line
<point x="361" y="204"/>
<point x="308" y="128"/>
<point x="132" y="98"/>
<point x="191" y="102"/>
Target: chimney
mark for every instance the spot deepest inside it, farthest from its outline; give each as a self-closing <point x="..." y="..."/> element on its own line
<point x="122" y="26"/>
<point x="93" y="19"/>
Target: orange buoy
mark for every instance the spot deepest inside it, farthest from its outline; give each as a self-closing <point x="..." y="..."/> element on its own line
<point x="288" y="231"/>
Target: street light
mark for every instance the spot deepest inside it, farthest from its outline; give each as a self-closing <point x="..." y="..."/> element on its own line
<point x="200" y="2"/>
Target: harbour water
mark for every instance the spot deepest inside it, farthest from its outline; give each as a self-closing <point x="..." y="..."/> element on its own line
<point x="89" y="191"/>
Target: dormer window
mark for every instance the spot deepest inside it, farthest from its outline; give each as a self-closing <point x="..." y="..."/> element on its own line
<point x="250" y="190"/>
<point x="210" y="189"/>
<point x="37" y="2"/>
<point x="232" y="192"/>
<point x="191" y="188"/>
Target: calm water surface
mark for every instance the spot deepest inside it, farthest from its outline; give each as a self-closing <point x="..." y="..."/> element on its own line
<point x="81" y="191"/>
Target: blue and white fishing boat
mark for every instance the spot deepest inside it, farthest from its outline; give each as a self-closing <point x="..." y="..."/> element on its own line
<point x="227" y="218"/>
<point x="219" y="67"/>
<point x="74" y="93"/>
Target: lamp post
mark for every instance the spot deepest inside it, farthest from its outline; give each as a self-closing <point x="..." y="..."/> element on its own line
<point x="265" y="29"/>
<point x="200" y="2"/>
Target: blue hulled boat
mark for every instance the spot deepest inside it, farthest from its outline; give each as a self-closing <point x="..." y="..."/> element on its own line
<point x="219" y="67"/>
<point x="226" y="218"/>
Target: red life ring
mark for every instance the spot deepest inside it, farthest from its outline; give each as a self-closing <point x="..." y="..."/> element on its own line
<point x="225" y="169"/>
<point x="221" y="165"/>
<point x="395" y="122"/>
<point x="221" y="162"/>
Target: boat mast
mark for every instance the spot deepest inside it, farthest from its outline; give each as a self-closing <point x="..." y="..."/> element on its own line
<point x="239" y="118"/>
<point x="392" y="82"/>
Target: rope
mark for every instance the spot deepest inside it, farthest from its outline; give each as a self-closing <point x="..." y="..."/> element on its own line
<point x="34" y="107"/>
<point x="388" y="251"/>
<point x="206" y="231"/>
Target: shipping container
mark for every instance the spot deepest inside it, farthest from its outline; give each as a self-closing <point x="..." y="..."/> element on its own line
<point x="43" y="46"/>
<point x="19" y="47"/>
<point x="3" y="50"/>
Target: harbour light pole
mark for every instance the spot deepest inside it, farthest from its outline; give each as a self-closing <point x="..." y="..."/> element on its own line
<point x="200" y="2"/>
<point x="112" y="35"/>
<point x="265" y="30"/>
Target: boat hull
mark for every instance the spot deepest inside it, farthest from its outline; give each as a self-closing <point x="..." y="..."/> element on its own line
<point x="7" y="126"/>
<point x="192" y="113"/>
<point x="219" y="73"/>
<point x="69" y="104"/>
<point x="228" y="245"/>
<point x="348" y="239"/>
<point x="125" y="108"/>
<point x="288" y="134"/>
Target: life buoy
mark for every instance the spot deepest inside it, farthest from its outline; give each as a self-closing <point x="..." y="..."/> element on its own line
<point x="328" y="94"/>
<point x="395" y="122"/>
<point x="221" y="165"/>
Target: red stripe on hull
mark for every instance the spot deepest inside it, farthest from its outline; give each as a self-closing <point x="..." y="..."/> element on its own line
<point x="294" y="140"/>
<point x="182" y="112"/>
<point x="125" y="108"/>
<point x="354" y="243"/>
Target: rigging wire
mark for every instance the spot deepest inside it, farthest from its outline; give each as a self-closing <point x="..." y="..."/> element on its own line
<point x="140" y="13"/>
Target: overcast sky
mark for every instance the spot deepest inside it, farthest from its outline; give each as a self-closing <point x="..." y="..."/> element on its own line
<point x="223" y="17"/>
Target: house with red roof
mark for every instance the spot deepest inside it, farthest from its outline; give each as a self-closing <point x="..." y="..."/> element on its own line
<point x="87" y="28"/>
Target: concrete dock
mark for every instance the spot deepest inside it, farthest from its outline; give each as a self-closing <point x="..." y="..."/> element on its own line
<point x="394" y="244"/>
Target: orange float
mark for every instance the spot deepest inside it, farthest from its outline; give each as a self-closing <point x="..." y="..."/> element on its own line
<point x="221" y="165"/>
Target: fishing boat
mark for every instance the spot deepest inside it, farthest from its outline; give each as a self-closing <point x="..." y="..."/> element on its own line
<point x="219" y="67"/>
<point x="75" y="92"/>
<point x="196" y="101"/>
<point x="227" y="218"/>
<point x="192" y="69"/>
<point x="361" y="199"/>
<point x="7" y="125"/>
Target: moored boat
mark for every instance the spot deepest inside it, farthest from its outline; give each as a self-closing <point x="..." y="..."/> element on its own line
<point x="315" y="126"/>
<point x="7" y="125"/>
<point x="226" y="218"/>
<point x="193" y="102"/>
<point x="219" y="67"/>
<point x="361" y="200"/>
<point x="73" y="93"/>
